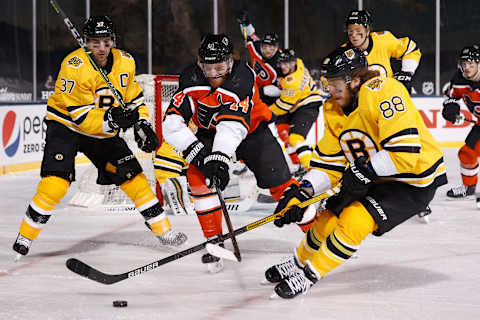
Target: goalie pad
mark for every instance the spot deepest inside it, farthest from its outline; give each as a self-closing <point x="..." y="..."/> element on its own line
<point x="178" y="197"/>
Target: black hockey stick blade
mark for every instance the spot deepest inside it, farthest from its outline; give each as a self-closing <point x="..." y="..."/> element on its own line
<point x="87" y="271"/>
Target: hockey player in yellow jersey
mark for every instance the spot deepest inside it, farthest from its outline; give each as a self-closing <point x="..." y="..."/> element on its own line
<point x="84" y="116"/>
<point x="380" y="46"/>
<point x="297" y="107"/>
<point x="389" y="165"/>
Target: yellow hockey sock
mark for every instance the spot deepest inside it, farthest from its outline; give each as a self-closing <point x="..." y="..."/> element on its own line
<point x="324" y="224"/>
<point x="50" y="191"/>
<point x="354" y="224"/>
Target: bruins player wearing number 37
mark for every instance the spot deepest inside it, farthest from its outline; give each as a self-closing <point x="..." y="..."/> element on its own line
<point x="389" y="165"/>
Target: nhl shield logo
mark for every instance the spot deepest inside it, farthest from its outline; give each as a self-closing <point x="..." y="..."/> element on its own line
<point x="428" y="88"/>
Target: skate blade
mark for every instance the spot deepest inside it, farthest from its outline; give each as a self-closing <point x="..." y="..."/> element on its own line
<point x="215" y="267"/>
<point x="220" y="252"/>
<point x="274" y="296"/>
<point x="467" y="198"/>
<point x="18" y="257"/>
<point x="424" y="220"/>
<point x="265" y="282"/>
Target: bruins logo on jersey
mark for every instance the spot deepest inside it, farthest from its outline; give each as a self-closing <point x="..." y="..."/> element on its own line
<point x="350" y="54"/>
<point x="74" y="62"/>
<point x="126" y="54"/>
<point x="375" y="84"/>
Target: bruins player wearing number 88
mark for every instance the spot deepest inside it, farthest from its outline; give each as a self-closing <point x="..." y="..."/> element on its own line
<point x="395" y="169"/>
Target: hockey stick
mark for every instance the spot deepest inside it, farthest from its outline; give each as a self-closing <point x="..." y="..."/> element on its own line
<point x="236" y="249"/>
<point x="84" y="270"/>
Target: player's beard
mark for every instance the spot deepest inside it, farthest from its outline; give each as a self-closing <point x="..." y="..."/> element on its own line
<point x="217" y="81"/>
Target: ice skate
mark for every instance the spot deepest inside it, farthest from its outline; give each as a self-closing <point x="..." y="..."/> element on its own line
<point x="297" y="283"/>
<point x="282" y="270"/>
<point x="461" y="192"/>
<point x="21" y="246"/>
<point x="214" y="264"/>
<point x="424" y="215"/>
<point x="172" y="238"/>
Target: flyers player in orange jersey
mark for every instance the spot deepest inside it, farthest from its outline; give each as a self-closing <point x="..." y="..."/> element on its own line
<point x="465" y="85"/>
<point x="221" y="97"/>
<point x="264" y="53"/>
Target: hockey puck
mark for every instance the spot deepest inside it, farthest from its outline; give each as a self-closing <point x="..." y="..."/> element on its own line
<point x="120" y="303"/>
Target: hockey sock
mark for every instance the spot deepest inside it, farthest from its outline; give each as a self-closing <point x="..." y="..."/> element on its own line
<point x="206" y="203"/>
<point x="139" y="191"/>
<point x="469" y="165"/>
<point x="209" y="213"/>
<point x="302" y="149"/>
<point x="50" y="191"/>
<point x="277" y="191"/>
<point x="322" y="226"/>
<point x="354" y="224"/>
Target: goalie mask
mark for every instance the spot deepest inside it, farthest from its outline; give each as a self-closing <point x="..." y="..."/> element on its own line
<point x="98" y="27"/>
<point x="215" y="55"/>
<point x="468" y="62"/>
<point x="342" y="62"/>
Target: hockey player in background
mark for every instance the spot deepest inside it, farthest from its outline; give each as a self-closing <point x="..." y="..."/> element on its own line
<point x="465" y="85"/>
<point x="297" y="108"/>
<point x="83" y="116"/>
<point x="389" y="165"/>
<point x="264" y="53"/>
<point x="379" y="47"/>
<point x="220" y="96"/>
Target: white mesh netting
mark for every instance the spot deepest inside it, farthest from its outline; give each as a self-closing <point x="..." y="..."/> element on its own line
<point x="111" y="197"/>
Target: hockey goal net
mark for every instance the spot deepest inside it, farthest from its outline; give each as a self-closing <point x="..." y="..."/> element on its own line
<point x="158" y="90"/>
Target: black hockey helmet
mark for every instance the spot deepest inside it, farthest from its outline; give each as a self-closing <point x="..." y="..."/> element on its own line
<point x="287" y="55"/>
<point x="215" y="48"/>
<point x="342" y="62"/>
<point x="362" y="17"/>
<point x="98" y="27"/>
<point x="470" y="53"/>
<point x="271" y="38"/>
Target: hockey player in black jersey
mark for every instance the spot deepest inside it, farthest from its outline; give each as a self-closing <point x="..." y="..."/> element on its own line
<point x="221" y="97"/>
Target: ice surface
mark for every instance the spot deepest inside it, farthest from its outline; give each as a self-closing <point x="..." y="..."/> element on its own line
<point x="416" y="271"/>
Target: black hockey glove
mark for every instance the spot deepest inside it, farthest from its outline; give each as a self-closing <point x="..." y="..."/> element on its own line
<point x="356" y="181"/>
<point x="291" y="196"/>
<point x="117" y="118"/>
<point x="451" y="110"/>
<point x="405" y="78"/>
<point x="145" y="137"/>
<point x="243" y="18"/>
<point x="215" y="169"/>
<point x="195" y="154"/>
